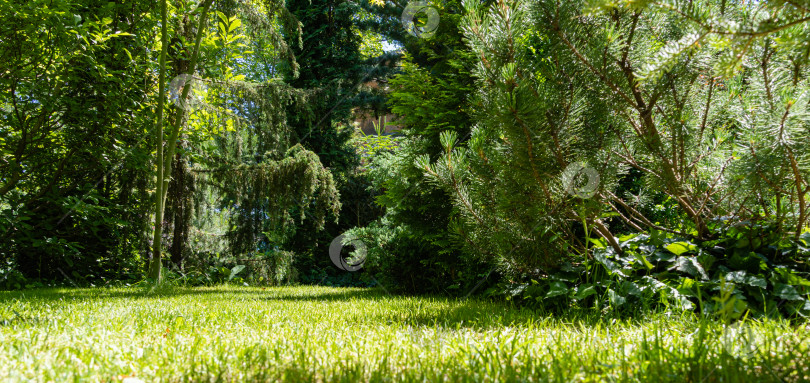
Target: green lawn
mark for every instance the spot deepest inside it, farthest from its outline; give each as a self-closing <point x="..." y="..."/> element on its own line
<point x="329" y="334"/>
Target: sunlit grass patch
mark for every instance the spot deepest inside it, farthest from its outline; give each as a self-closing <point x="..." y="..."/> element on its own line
<point x="329" y="334"/>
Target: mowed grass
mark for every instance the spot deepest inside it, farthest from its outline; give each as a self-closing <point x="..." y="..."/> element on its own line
<point x="330" y="334"/>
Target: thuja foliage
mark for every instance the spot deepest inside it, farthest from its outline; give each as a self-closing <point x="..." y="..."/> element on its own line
<point x="410" y="248"/>
<point x="687" y="143"/>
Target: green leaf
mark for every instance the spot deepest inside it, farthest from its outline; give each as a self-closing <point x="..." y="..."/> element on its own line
<point x="741" y="277"/>
<point x="755" y="281"/>
<point x="610" y="265"/>
<point x="599" y="243"/>
<point x="687" y="286"/>
<point x="679" y="248"/>
<point x="805" y="237"/>
<point x="585" y="291"/>
<point x="790" y="277"/>
<point x="631" y="288"/>
<point x="742" y="243"/>
<point x="222" y="17"/>
<point x="616" y="299"/>
<point x="644" y="260"/>
<point x="736" y="276"/>
<point x="786" y="292"/>
<point x="691" y="266"/>
<point x="236" y="270"/>
<point x="128" y="53"/>
<point x="235" y="23"/>
<point x="556" y="289"/>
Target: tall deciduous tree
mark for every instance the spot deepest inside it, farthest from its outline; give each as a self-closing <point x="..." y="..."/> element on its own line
<point x="74" y="84"/>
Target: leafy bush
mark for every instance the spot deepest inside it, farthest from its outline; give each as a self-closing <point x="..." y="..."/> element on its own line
<point x="410" y="248"/>
<point x="12" y="280"/>
<point x="74" y="178"/>
<point x="270" y="268"/>
<point x="404" y="254"/>
<point x="748" y="271"/>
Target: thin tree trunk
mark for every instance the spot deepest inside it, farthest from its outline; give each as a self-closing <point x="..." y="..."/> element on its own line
<point x="165" y="161"/>
<point x="155" y="267"/>
<point x="180" y="189"/>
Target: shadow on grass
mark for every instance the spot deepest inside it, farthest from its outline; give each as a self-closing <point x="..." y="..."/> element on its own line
<point x="413" y="311"/>
<point x="227" y="292"/>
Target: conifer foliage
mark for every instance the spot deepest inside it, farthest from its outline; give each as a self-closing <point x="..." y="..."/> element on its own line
<point x="697" y="108"/>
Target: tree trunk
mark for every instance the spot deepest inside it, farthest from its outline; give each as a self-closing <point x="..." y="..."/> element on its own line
<point x="155" y="267"/>
<point x="165" y="162"/>
<point x="181" y="189"/>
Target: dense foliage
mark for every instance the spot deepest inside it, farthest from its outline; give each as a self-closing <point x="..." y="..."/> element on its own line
<point x="74" y="111"/>
<point x="681" y="145"/>
<point x="410" y="247"/>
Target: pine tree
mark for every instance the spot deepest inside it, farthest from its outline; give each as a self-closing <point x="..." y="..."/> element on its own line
<point x="638" y="92"/>
<point x="758" y="53"/>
